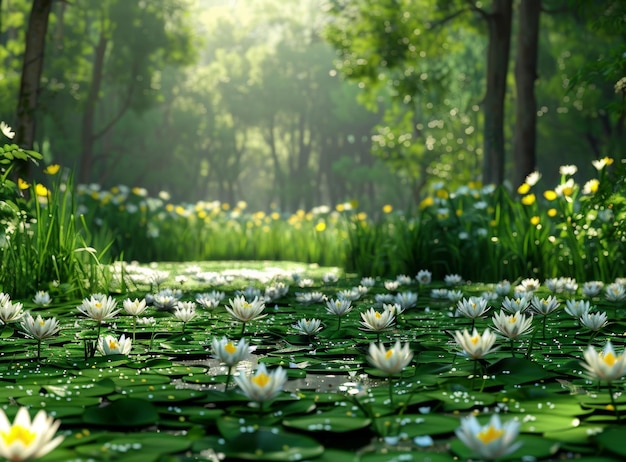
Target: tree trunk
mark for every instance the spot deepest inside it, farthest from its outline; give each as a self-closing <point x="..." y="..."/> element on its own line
<point x="31" y="75"/>
<point x="524" y="149"/>
<point x="499" y="26"/>
<point x="89" y="114"/>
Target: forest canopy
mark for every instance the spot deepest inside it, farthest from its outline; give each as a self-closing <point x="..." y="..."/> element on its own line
<point x="288" y="105"/>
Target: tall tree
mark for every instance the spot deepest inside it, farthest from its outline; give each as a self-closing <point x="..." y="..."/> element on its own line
<point x="32" y="68"/>
<point x="406" y="40"/>
<point x="118" y="49"/>
<point x="525" y="134"/>
<point x="499" y="21"/>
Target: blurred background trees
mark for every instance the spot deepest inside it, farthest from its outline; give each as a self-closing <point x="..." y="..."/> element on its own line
<point x="290" y="105"/>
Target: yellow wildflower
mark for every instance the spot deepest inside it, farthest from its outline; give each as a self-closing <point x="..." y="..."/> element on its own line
<point x="52" y="169"/>
<point x="549" y="195"/>
<point x="528" y="199"/>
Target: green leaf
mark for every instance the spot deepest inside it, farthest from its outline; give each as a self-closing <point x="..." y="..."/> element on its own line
<point x="124" y="413"/>
<point x="270" y="444"/>
<point x="613" y="438"/>
<point x="328" y="422"/>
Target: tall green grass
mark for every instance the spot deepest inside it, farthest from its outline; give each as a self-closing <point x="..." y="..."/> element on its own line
<point x="46" y="247"/>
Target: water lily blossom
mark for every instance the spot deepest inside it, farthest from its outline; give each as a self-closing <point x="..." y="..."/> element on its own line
<point x="576" y="308"/>
<point x="475" y="345"/>
<point x="308" y="326"/>
<point x="263" y="385"/>
<point x="134" y="307"/>
<point x="491" y="441"/>
<point x="390" y="361"/>
<point x="244" y="310"/>
<point x="10" y="311"/>
<point x="338" y="307"/>
<point x="512" y="326"/>
<point x="228" y="352"/>
<point x="110" y="345"/>
<point x="25" y="439"/>
<point x="472" y="308"/>
<point x="185" y="312"/>
<point x="376" y="321"/>
<point x="604" y="365"/>
<point x="594" y="321"/>
<point x="99" y="307"/>
<point x="42" y="298"/>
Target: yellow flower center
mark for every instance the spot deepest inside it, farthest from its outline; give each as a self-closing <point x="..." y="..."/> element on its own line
<point x="98" y="305"/>
<point x="113" y="345"/>
<point x="261" y="380"/>
<point x="377" y="314"/>
<point x="475" y="339"/>
<point x="230" y="348"/>
<point x="247" y="305"/>
<point x="18" y="433"/>
<point x="490" y="434"/>
<point x="610" y="359"/>
<point x="42" y="323"/>
<point x="389" y="353"/>
<point x="513" y="319"/>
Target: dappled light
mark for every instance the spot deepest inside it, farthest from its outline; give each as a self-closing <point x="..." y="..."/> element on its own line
<point x="325" y="230"/>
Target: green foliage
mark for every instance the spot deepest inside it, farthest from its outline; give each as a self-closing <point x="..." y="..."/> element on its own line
<point x="574" y="230"/>
<point x="40" y="244"/>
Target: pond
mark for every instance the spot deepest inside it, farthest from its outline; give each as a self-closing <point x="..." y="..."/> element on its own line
<point x="171" y="399"/>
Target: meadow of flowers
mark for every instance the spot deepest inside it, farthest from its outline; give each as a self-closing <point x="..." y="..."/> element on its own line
<point x="486" y="324"/>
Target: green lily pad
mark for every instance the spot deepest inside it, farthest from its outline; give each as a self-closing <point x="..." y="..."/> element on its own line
<point x="124" y="413"/>
<point x="269" y="444"/>
<point x="612" y="438"/>
<point x="328" y="422"/>
<point x="411" y="425"/>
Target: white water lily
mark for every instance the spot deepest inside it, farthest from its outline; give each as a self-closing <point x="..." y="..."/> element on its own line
<point x="390" y="361"/>
<point x="592" y="288"/>
<point x="615" y="292"/>
<point x="210" y="300"/>
<point x="228" y="352"/>
<point x="475" y="345"/>
<point x="424" y="277"/>
<point x="27" y="439"/>
<point x="110" y="345"/>
<point x="339" y="306"/>
<point x="606" y="364"/>
<point x="544" y="306"/>
<point x="472" y="308"/>
<point x="10" y="312"/>
<point x="308" y="326"/>
<point x="491" y="441"/>
<point x="185" y="311"/>
<point x="134" y="307"/>
<point x="263" y="385"/>
<point x="99" y="307"/>
<point x="39" y="328"/>
<point x="376" y="321"/>
<point x="515" y="305"/>
<point x="42" y="298"/>
<point x="576" y="308"/>
<point x="406" y="300"/>
<point x="244" y="310"/>
<point x="594" y="321"/>
<point x="512" y="326"/>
